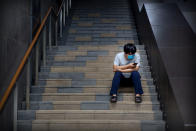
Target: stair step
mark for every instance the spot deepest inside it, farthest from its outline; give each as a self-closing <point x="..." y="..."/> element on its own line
<point x="98" y="39"/>
<point x="84" y="75"/>
<point x="122" y="20"/>
<point x="98" y="32"/>
<point x="121" y="30"/>
<point x="86" y="62"/>
<point x="42" y="89"/>
<point x="102" y="25"/>
<point x="87" y="58"/>
<point x="78" y="58"/>
<point x="88" y="115"/>
<point x="79" y="9"/>
<point x="104" y="19"/>
<point x="82" y="83"/>
<point x="109" y="73"/>
<point x="103" y="11"/>
<point x="85" y="69"/>
<point x="83" y="63"/>
<point x="89" y="32"/>
<point x="84" y="48"/>
<point x="98" y="21"/>
<point x="89" y="97"/>
<point x="103" y="30"/>
<point x="144" y="75"/>
<point x="93" y="47"/>
<point x="71" y="75"/>
<point x="100" y="13"/>
<point x="110" y="28"/>
<point x="113" y="50"/>
<point x="105" y="35"/>
<point x="87" y="86"/>
<point x="100" y="35"/>
<point x="93" y="105"/>
<point x="95" y="43"/>
<point x="67" y="64"/>
<point x="97" y="7"/>
<point x="93" y="125"/>
<point x="88" y="53"/>
<point x="93" y="23"/>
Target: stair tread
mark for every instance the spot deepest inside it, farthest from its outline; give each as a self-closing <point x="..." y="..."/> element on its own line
<point x="35" y="86"/>
<point x="83" y="67"/>
<point x="95" y="111"/>
<point x="89" y="72"/>
<point x="107" y="102"/>
<point x="98" y="121"/>
<point x="89" y="94"/>
<point x="76" y="46"/>
<point x="94" y="50"/>
<point x="106" y="79"/>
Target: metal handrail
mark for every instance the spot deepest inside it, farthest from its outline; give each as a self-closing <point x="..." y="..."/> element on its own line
<point x="27" y="54"/>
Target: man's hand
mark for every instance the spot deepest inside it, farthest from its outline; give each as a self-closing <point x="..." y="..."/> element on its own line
<point x="126" y="68"/>
<point x="123" y="70"/>
<point x="131" y="65"/>
<point x="119" y="70"/>
<point x="116" y="68"/>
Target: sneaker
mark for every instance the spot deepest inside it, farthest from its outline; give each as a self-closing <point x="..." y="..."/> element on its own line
<point x="138" y="99"/>
<point x="113" y="99"/>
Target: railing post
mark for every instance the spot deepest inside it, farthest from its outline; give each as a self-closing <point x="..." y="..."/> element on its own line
<point x="56" y="32"/>
<point x="44" y="46"/>
<point x="69" y="4"/>
<point x="61" y="23"/>
<point x="67" y="7"/>
<point x="15" y="107"/>
<point x="36" y="61"/>
<point x="64" y="9"/>
<point x="50" y="32"/>
<point x="28" y="83"/>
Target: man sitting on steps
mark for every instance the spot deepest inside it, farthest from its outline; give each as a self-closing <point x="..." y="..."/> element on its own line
<point x="126" y="65"/>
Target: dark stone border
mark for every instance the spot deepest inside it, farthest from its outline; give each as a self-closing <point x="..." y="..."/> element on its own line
<point x="169" y="40"/>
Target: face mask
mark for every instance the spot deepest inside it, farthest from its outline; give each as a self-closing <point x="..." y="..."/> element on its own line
<point x="131" y="57"/>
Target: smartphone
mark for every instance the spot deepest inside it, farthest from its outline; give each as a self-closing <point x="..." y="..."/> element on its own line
<point x="134" y="64"/>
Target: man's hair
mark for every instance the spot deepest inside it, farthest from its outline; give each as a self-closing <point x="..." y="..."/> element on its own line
<point x="129" y="48"/>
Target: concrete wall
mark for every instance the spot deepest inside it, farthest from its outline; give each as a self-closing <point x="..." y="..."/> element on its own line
<point x="188" y="9"/>
<point x="18" y="24"/>
<point x="165" y="39"/>
<point x="15" y="35"/>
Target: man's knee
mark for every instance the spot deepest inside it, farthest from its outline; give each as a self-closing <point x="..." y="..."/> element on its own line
<point x="118" y="73"/>
<point x="135" y="74"/>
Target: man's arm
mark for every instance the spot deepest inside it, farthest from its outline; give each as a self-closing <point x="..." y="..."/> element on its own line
<point x="116" y="68"/>
<point x="125" y="67"/>
<point x="129" y="70"/>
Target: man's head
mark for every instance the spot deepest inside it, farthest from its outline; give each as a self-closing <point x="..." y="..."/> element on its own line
<point x="129" y="50"/>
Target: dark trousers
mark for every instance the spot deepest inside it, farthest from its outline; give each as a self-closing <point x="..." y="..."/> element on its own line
<point x="134" y="78"/>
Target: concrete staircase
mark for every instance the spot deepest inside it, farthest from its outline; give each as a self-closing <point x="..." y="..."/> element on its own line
<point x="73" y="89"/>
